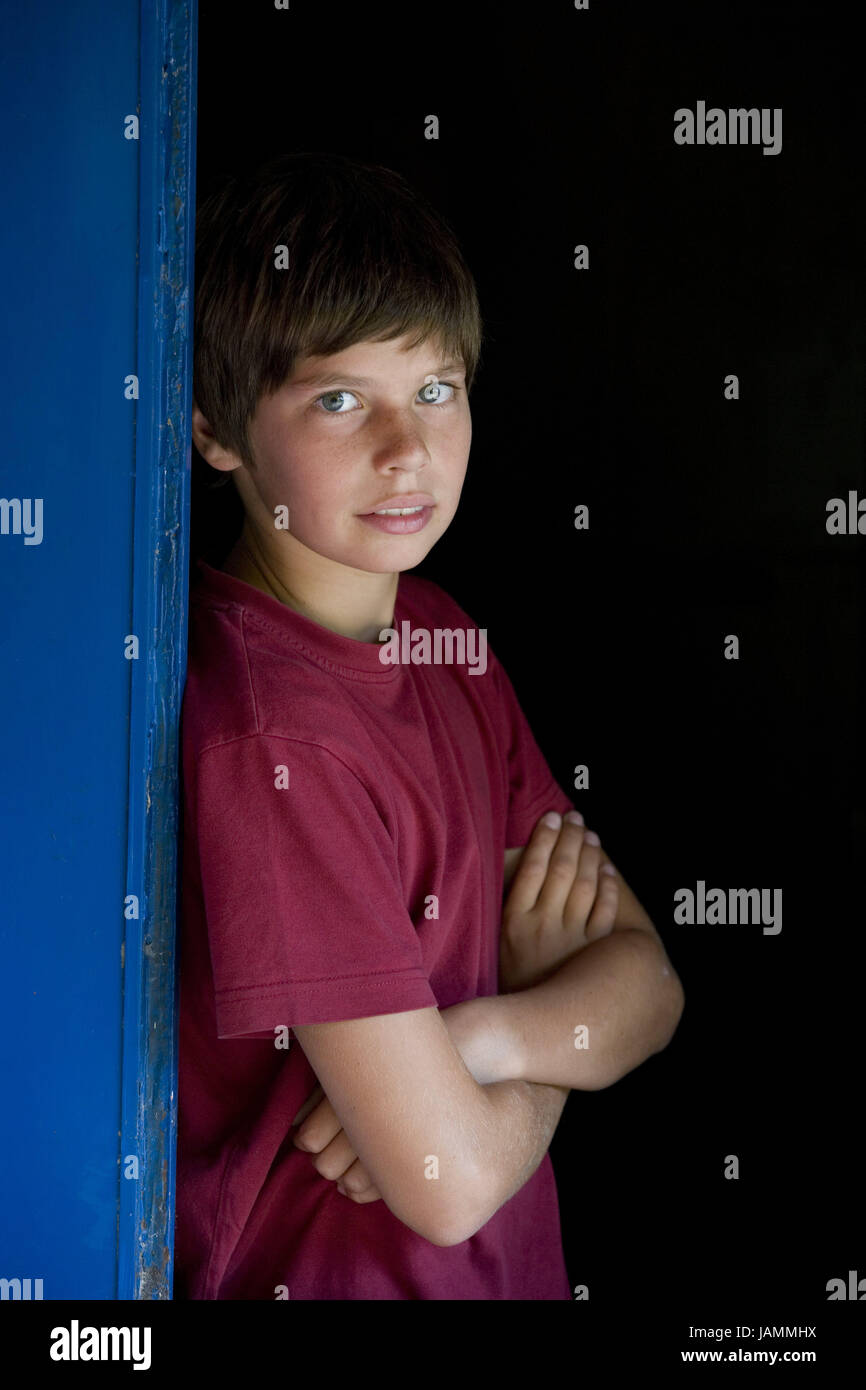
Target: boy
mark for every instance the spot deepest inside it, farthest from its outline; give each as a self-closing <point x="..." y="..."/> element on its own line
<point x="351" y="819"/>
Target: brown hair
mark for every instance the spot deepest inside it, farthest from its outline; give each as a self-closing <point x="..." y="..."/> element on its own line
<point x="368" y="259"/>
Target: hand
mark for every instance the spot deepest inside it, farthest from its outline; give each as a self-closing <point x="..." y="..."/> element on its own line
<point x="484" y="1047"/>
<point x="323" y="1137"/>
<point x="559" y="902"/>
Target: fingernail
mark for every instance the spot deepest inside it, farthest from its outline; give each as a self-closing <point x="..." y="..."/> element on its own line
<point x="574" y="817"/>
<point x="553" y="819"/>
<point x="341" y="1188"/>
<point x="590" y="838"/>
<point x="608" y="869"/>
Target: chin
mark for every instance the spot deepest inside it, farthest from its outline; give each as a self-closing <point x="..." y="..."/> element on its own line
<point x="397" y="565"/>
<point x="391" y="555"/>
<point x="403" y="553"/>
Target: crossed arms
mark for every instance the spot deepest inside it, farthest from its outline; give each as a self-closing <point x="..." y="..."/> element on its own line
<point x="446" y="1114"/>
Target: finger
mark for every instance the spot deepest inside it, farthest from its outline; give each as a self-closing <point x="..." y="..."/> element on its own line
<point x="336" y="1158"/>
<point x="370" y="1194"/>
<point x="562" y="869"/>
<point x="606" y="904"/>
<point x="585" y="885"/>
<point x="318" y="1129"/>
<point x="311" y="1101"/>
<point x="358" y="1185"/>
<point x="532" y="869"/>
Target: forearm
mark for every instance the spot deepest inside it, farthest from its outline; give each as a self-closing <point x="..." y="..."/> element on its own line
<point x="598" y="1016"/>
<point x="511" y="1140"/>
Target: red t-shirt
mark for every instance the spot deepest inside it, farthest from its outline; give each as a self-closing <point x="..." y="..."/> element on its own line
<point x="304" y="897"/>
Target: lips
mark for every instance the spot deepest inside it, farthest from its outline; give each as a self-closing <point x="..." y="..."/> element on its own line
<point x="405" y="499"/>
<point x="390" y="524"/>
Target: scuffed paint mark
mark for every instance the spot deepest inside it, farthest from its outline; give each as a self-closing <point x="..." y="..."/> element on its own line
<point x="169" y="36"/>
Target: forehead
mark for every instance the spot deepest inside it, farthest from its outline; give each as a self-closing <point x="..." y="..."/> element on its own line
<point x="373" y="361"/>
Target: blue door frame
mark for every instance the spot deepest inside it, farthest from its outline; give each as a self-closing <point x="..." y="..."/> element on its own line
<point x="168" y="70"/>
<point x="98" y="165"/>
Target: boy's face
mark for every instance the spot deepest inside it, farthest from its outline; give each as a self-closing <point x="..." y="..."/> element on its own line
<point x="353" y="433"/>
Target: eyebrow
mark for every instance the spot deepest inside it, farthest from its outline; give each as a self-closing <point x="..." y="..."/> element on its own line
<point x="323" y="376"/>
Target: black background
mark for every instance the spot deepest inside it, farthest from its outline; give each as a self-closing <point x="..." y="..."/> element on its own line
<point x="707" y="518"/>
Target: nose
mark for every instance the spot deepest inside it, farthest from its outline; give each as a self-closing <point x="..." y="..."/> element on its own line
<point x="400" y="445"/>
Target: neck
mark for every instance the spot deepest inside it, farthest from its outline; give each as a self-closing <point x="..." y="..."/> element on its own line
<point x="353" y="603"/>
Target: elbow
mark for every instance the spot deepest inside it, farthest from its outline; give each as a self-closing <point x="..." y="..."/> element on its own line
<point x="677" y="1006"/>
<point x="487" y="1197"/>
<point x="459" y="1228"/>
<point x="670" y="1015"/>
<point x="469" y="1216"/>
<point x="430" y="1228"/>
<point x="657" y="1037"/>
<point x="448" y="1233"/>
<point x="456" y="1234"/>
<point x="445" y="1239"/>
<point x="443" y="1227"/>
<point x="669" y="1001"/>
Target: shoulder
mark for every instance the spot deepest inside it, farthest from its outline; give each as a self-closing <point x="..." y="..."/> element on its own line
<point x="245" y="681"/>
<point x="218" y="703"/>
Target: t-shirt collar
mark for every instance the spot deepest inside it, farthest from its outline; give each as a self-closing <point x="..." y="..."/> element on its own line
<point x="329" y="648"/>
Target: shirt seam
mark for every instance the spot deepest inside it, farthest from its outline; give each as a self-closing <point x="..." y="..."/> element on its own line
<point x="379" y="979"/>
<point x="357" y="673"/>
<point x="307" y="743"/>
<point x="288" y="738"/>
<point x="535" y="814"/>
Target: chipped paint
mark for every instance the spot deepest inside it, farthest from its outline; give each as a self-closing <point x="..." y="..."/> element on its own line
<point x="160" y="581"/>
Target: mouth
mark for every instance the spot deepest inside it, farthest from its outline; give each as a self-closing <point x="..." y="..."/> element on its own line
<point x="401" y="503"/>
<point x="396" y="511"/>
<point x="399" y="521"/>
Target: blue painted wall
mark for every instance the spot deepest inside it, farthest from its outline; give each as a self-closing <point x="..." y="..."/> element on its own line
<point x="96" y="289"/>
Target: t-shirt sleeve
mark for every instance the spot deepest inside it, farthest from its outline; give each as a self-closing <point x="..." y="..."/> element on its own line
<point x="532" y="787"/>
<point x="305" y="915"/>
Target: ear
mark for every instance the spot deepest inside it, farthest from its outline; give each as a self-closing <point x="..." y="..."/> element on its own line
<point x="208" y="446"/>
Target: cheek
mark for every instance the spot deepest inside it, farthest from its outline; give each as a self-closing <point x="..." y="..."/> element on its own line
<point x="460" y="451"/>
<point x="320" y="492"/>
<point x="295" y="477"/>
<point x="463" y="438"/>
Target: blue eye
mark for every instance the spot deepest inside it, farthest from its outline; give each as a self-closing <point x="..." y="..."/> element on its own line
<point x="328" y="394"/>
<point x="430" y="386"/>
<point x="437" y="387"/>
